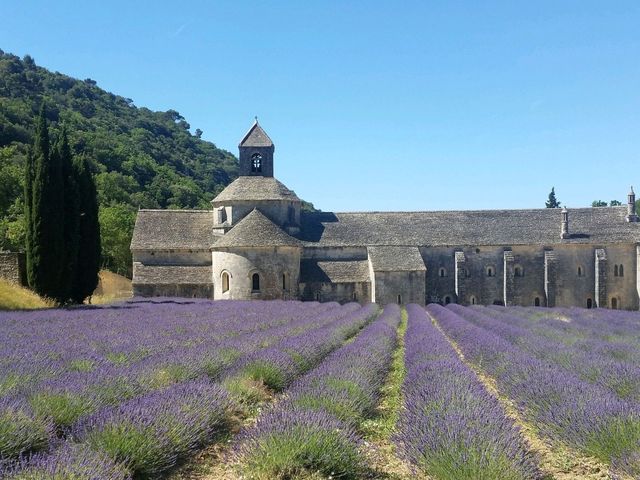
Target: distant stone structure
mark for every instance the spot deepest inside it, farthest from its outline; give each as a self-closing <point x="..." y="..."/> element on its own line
<point x="13" y="267"/>
<point x="255" y="243"/>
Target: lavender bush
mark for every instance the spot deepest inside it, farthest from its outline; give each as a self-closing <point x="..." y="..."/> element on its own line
<point x="129" y="379"/>
<point x="150" y="433"/>
<point x="589" y="358"/>
<point x="561" y="405"/>
<point x="21" y="430"/>
<point x="69" y="462"/>
<point x="312" y="429"/>
<point x="288" y="443"/>
<point x="451" y="427"/>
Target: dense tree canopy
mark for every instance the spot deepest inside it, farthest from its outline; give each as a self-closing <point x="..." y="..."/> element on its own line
<point x="139" y="158"/>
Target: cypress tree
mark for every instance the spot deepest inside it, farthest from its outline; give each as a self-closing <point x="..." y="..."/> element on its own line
<point x="46" y="239"/>
<point x="71" y="221"/>
<point x="88" y="260"/>
<point x="28" y="201"/>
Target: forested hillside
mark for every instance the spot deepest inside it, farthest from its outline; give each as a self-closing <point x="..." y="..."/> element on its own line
<point x="140" y="158"/>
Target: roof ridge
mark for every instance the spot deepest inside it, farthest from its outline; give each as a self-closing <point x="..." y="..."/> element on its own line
<point x="265" y="142"/>
<point x="187" y="210"/>
<point x="488" y="210"/>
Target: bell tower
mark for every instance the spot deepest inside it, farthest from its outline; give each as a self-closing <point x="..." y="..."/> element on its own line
<point x="256" y="153"/>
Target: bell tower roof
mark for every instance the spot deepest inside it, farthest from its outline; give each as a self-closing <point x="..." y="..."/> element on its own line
<point x="256" y="137"/>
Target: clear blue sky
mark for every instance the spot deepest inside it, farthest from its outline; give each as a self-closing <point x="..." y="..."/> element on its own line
<point x="414" y="105"/>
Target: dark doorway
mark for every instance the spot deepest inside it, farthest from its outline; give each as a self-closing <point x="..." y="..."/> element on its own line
<point x="536" y="302"/>
<point x="589" y="303"/>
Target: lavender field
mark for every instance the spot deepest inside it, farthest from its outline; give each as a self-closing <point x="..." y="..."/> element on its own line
<point x="318" y="390"/>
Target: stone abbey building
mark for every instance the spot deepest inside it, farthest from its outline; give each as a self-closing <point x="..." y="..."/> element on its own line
<point x="256" y="243"/>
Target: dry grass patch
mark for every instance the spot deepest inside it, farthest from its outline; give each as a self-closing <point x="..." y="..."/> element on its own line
<point x="111" y="288"/>
<point x="15" y="297"/>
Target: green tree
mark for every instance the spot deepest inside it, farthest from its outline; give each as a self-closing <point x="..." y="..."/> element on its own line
<point x="45" y="215"/>
<point x="89" y="248"/>
<point x="71" y="218"/>
<point x="615" y="203"/>
<point x="29" y="173"/>
<point x="598" y="203"/>
<point x="116" y="226"/>
<point x="552" y="202"/>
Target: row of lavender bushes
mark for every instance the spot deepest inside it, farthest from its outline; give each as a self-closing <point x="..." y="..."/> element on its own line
<point x="611" y="333"/>
<point x="590" y="360"/>
<point x="559" y="403"/>
<point x="149" y="433"/>
<point x="313" y="431"/>
<point x="51" y="398"/>
<point x="451" y="428"/>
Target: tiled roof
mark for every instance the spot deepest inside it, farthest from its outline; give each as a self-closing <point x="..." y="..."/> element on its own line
<point x="172" y="229"/>
<point x="459" y="228"/>
<point x="256" y="137"/>
<point x="256" y="230"/>
<point x="252" y="188"/>
<point x="171" y="274"/>
<point x="334" y="271"/>
<point x="395" y="259"/>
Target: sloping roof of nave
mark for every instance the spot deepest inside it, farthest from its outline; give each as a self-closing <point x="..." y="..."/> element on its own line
<point x="192" y="229"/>
<point x="600" y="225"/>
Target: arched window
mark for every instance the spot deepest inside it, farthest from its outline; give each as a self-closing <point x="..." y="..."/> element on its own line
<point x="354" y="297"/>
<point x="399" y="299"/>
<point x="589" y="303"/>
<point x="447" y="300"/>
<point x="580" y="271"/>
<point x="614" y="303"/>
<point x="536" y="302"/>
<point x="621" y="271"/>
<point x="285" y="282"/>
<point x="490" y="272"/>
<point x="256" y="163"/>
<point x="518" y="272"/>
<point x="615" y="271"/>
<point x="473" y="300"/>
<point x="255" y="282"/>
<point x="442" y="272"/>
<point x="225" y="282"/>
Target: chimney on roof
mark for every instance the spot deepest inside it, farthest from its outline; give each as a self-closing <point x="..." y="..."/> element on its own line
<point x="632" y="216"/>
<point x="564" y="233"/>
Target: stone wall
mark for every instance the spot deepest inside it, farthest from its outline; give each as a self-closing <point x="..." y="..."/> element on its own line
<point x="564" y="275"/>
<point x="172" y="257"/>
<point x="336" y="292"/>
<point x="13" y="267"/>
<point x="270" y="263"/>
<point x="399" y="287"/>
<point x="278" y="211"/>
<point x="173" y="290"/>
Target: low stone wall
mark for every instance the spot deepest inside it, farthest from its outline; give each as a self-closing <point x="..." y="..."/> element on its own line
<point x="13" y="267"/>
<point x="173" y="290"/>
